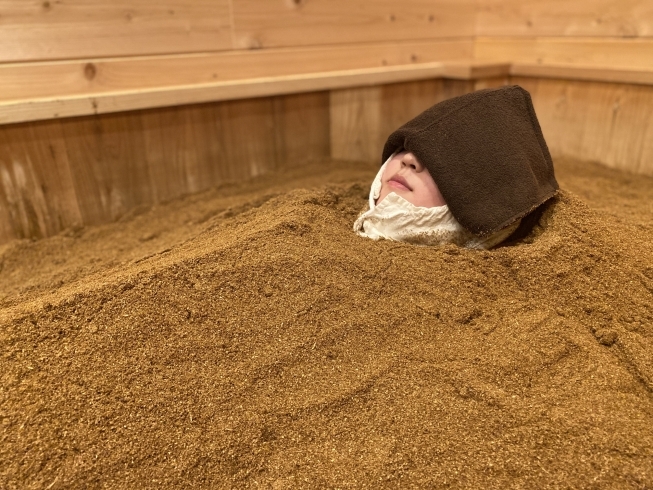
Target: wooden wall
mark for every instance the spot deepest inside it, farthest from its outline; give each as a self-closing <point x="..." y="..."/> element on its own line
<point x="577" y="18"/>
<point x="57" y="30"/>
<point x="59" y="173"/>
<point x="50" y="47"/>
<point x="82" y="171"/>
<point x="610" y="123"/>
<point x="599" y="32"/>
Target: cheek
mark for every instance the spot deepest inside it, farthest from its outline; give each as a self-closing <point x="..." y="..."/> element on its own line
<point x="382" y="193"/>
<point x="428" y="194"/>
<point x="390" y="169"/>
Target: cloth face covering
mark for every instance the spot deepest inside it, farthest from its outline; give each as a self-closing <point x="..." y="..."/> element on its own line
<point x="394" y="218"/>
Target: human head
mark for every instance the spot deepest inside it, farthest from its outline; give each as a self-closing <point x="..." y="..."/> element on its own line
<point x="407" y="177"/>
<point x="487" y="154"/>
<point x="393" y="217"/>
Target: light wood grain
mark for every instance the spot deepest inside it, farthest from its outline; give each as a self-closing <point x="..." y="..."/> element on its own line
<point x="599" y="52"/>
<point x="400" y="102"/>
<point x="579" y="72"/>
<point x="65" y="173"/>
<point x="264" y="24"/>
<point x="301" y="124"/>
<point x="50" y="30"/>
<point x="169" y="149"/>
<point x="37" y="184"/>
<point x="61" y="173"/>
<point x="363" y="118"/>
<point x="58" y="107"/>
<point x="107" y="164"/>
<point x="35" y="80"/>
<point x="602" y="122"/>
<point x="624" y="18"/>
<point x="22" y="197"/>
<point x="469" y="69"/>
<point x="493" y="82"/>
<point x="356" y="123"/>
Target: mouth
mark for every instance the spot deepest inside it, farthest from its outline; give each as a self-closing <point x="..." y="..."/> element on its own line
<point x="399" y="182"/>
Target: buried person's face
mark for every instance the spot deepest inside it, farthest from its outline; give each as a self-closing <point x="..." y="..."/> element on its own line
<point x="408" y="178"/>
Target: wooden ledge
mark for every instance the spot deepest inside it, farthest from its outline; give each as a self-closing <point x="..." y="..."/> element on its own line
<point x="580" y="72"/>
<point x="14" y="111"/>
<point x="83" y="104"/>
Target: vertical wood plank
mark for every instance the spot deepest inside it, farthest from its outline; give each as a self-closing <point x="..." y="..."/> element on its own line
<point x="124" y="161"/>
<point x="8" y="229"/>
<point x="403" y="101"/>
<point x="248" y="134"/>
<point x="601" y="122"/>
<point x="363" y="118"/>
<point x="108" y="165"/>
<point x="455" y="88"/>
<point x="21" y="195"/>
<point x="90" y="177"/>
<point x="355" y="121"/>
<point x="302" y="128"/>
<point x="494" y="82"/>
<point x="37" y="184"/>
<point x="46" y="149"/>
<point x="164" y="146"/>
<point x="197" y="140"/>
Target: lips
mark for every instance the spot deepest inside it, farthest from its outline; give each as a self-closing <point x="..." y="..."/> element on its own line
<point x="400" y="182"/>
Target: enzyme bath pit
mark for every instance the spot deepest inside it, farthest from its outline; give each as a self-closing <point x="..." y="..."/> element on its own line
<point x="247" y="337"/>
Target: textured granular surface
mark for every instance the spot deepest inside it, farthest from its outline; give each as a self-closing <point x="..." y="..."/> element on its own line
<point x="246" y="338"/>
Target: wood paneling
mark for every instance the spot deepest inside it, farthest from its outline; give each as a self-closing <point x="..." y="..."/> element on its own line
<point x="36" y="190"/>
<point x="363" y="118"/>
<point x="58" y="107"/>
<point x="616" y="18"/>
<point x="62" y="173"/>
<point x="614" y="53"/>
<point x="302" y="128"/>
<point x="61" y="79"/>
<point x="108" y="164"/>
<point x="90" y="170"/>
<point x="275" y="23"/>
<point x="51" y="30"/>
<point x="579" y="72"/>
<point x="601" y="122"/>
<point x="356" y="123"/>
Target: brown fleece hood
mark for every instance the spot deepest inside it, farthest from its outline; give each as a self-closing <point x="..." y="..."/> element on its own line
<point x="486" y="153"/>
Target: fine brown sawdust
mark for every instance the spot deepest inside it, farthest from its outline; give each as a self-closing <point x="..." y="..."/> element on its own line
<point x="246" y="338"/>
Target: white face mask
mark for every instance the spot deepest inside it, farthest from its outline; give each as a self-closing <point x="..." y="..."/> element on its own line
<point x="394" y="218"/>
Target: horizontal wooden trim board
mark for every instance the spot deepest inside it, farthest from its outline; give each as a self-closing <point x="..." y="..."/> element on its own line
<point x="588" y="73"/>
<point x="103" y="103"/>
<point x="93" y="76"/>
<point x="40" y="108"/>
<point x="623" y="53"/>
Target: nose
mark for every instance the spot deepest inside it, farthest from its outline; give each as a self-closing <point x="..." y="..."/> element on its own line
<point x="410" y="160"/>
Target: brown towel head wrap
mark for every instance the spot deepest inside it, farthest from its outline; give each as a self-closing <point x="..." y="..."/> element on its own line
<point x="486" y="153"/>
